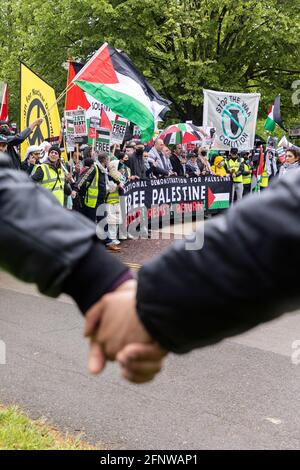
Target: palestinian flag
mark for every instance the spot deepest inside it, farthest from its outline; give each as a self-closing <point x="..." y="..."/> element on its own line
<point x="274" y="116"/>
<point x="3" y="102"/>
<point x="105" y="122"/>
<point x="217" y="200"/>
<point x="110" y="77"/>
<point x="75" y="96"/>
<point x="260" y="168"/>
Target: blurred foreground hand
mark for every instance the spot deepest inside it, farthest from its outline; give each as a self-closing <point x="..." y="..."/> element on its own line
<point x="117" y="333"/>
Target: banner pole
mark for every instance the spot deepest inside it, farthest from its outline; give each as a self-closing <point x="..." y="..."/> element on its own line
<point x="59" y="98"/>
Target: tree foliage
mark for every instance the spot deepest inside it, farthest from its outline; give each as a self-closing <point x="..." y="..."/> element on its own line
<point x="182" y="46"/>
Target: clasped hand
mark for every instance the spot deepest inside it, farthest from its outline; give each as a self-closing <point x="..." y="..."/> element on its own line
<point x="116" y="333"/>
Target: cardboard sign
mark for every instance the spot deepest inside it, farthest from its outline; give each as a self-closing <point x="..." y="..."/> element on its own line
<point x="80" y="128"/>
<point x="118" y="131"/>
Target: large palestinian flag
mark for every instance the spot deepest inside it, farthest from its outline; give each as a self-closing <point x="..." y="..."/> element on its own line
<point x="110" y="77"/>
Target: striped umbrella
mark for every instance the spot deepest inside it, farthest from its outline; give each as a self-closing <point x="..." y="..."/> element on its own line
<point x="181" y="133"/>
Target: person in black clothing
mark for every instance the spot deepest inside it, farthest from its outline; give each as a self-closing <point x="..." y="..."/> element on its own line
<point x="136" y="161"/>
<point x="3" y="143"/>
<point x="82" y="188"/>
<point x="175" y="160"/>
<point x="15" y="140"/>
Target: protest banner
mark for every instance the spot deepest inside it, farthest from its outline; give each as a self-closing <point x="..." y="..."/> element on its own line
<point x="136" y="133"/>
<point x="69" y="131"/>
<point x="102" y="143"/>
<point x="80" y="127"/>
<point x="118" y="131"/>
<point x="180" y="194"/>
<point x="233" y="115"/>
<point x="37" y="100"/>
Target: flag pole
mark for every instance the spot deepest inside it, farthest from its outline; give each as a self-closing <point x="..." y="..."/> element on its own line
<point x="59" y="98"/>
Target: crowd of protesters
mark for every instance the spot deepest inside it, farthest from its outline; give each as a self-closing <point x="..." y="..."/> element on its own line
<point x="92" y="179"/>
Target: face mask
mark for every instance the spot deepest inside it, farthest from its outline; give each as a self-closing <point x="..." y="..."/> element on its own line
<point x="203" y="154"/>
<point x="247" y="162"/>
<point x="222" y="164"/>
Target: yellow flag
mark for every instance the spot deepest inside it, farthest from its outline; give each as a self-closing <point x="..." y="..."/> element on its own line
<point x="37" y="97"/>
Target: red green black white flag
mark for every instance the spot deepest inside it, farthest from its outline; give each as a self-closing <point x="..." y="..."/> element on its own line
<point x="110" y="77"/>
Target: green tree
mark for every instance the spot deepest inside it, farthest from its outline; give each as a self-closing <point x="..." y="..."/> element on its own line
<point x="182" y="46"/>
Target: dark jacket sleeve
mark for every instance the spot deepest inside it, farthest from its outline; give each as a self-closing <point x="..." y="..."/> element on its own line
<point x="38" y="175"/>
<point x="246" y="273"/>
<point x="57" y="249"/>
<point x="240" y="170"/>
<point x="20" y="137"/>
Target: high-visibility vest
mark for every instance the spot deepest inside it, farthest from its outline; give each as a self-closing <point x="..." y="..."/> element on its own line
<point x="247" y="179"/>
<point x="264" y="182"/>
<point x="234" y="165"/>
<point x="92" y="192"/>
<point x="53" y="180"/>
<point x="113" y="198"/>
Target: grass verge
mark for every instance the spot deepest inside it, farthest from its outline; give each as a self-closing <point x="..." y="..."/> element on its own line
<point x="18" y="431"/>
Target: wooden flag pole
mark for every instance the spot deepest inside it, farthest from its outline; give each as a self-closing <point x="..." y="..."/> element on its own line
<point x="59" y="98"/>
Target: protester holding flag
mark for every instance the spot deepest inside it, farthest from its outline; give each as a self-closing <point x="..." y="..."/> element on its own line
<point x="51" y="175"/>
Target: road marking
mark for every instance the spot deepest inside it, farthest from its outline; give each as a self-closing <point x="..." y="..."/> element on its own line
<point x="134" y="266"/>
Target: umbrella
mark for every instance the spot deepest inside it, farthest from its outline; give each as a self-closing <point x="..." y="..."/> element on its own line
<point x="181" y="133"/>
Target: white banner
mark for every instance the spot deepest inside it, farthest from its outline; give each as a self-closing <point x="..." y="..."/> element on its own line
<point x="234" y="116"/>
<point x="118" y="131"/>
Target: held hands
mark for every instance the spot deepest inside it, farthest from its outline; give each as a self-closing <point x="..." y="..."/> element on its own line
<point x="117" y="334"/>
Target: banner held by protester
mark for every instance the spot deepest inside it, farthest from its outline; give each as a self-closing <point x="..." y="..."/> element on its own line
<point x="234" y="117"/>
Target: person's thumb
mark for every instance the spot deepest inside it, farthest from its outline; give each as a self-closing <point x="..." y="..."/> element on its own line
<point x="97" y="360"/>
<point x="92" y="319"/>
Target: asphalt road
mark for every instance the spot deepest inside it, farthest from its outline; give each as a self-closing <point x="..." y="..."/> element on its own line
<point x="243" y="393"/>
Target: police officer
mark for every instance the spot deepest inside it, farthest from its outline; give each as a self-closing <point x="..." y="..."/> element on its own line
<point x="51" y="175"/>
